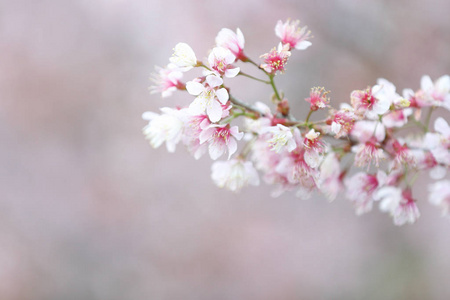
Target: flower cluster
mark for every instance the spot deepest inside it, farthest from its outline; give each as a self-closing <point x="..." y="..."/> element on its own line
<point x="359" y="150"/>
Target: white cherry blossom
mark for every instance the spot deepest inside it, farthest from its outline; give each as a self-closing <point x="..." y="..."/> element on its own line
<point x="166" y="127"/>
<point x="282" y="137"/>
<point x="184" y="57"/>
<point x="209" y="97"/>
<point x="234" y="174"/>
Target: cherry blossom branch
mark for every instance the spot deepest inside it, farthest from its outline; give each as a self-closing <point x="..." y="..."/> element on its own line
<point x="381" y="161"/>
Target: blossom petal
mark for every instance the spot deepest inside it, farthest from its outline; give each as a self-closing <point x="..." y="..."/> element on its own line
<point x="426" y="83"/>
<point x="149" y="115"/>
<point x="214" y="81"/>
<point x="232" y="147"/>
<point x="438" y="172"/>
<point x="303" y="45"/>
<point x="230" y="73"/>
<point x="443" y="84"/>
<point x="194" y="88"/>
<point x="312" y="158"/>
<point x="222" y="95"/>
<point x="240" y="38"/>
<point x="198" y="106"/>
<point x="214" y="111"/>
<point x="441" y="126"/>
<point x="206" y="134"/>
<point x="216" y="150"/>
<point x="235" y="132"/>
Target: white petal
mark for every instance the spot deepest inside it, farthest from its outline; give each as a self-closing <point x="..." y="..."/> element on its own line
<point x="303" y="45"/>
<point x="214" y="81"/>
<point x="312" y="158"/>
<point x="235" y="132"/>
<point x="240" y="38"/>
<point x="149" y="115"/>
<point x="280" y="47"/>
<point x="170" y="146"/>
<point x="279" y="29"/>
<point x="232" y="147"/>
<point x="438" y="172"/>
<point x="381" y="107"/>
<point x="291" y="145"/>
<point x="168" y="92"/>
<point x="214" y="111"/>
<point x="230" y="73"/>
<point x="200" y="151"/>
<point x="216" y="150"/>
<point x="431" y="140"/>
<point x="426" y="83"/>
<point x="443" y="84"/>
<point x="335" y="127"/>
<point x="194" y="88"/>
<point x="381" y="177"/>
<point x="211" y="58"/>
<point x="198" y="106"/>
<point x="441" y="126"/>
<point x="229" y="57"/>
<point x="222" y="95"/>
<point x="446" y="103"/>
<point x="376" y="88"/>
<point x="408" y="93"/>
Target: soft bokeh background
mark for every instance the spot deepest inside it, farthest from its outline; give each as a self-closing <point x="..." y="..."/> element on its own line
<point x="88" y="210"/>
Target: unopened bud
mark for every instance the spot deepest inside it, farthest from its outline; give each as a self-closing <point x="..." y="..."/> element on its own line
<point x="283" y="107"/>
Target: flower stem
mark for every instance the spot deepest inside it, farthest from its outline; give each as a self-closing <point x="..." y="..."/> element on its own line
<point x="258" y="66"/>
<point x="272" y="83"/>
<point x="308" y="116"/>
<point x="253" y="63"/>
<point x="245" y="105"/>
<point x="254" y="78"/>
<point x="200" y="64"/>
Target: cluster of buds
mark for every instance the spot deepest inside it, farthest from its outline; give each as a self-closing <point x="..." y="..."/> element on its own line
<point x="360" y="150"/>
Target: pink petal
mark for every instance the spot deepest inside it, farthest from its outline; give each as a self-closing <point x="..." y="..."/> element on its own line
<point x="205" y="135"/>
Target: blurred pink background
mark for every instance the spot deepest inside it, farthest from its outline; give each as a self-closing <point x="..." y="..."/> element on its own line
<point x="88" y="210"/>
